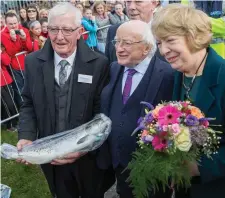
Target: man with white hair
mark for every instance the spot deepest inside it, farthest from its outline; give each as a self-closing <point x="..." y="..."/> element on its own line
<point x="136" y="10"/>
<point x="137" y="76"/>
<point x="63" y="82"/>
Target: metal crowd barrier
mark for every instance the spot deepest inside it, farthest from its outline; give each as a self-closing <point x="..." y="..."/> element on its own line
<point x="11" y="91"/>
<point x="10" y="117"/>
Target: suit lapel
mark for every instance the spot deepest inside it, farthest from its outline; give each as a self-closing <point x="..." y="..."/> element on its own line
<point x="81" y="66"/>
<point x="47" y="56"/>
<point x="156" y="77"/>
<point x="209" y="80"/>
<point x="115" y="70"/>
<point x="205" y="98"/>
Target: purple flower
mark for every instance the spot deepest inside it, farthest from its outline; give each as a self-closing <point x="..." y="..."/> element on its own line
<point x="149" y="118"/>
<point x="140" y="120"/>
<point x="191" y="120"/>
<point x="147" y="139"/>
<point x="140" y="127"/>
<point x="150" y="106"/>
<point x="159" y="128"/>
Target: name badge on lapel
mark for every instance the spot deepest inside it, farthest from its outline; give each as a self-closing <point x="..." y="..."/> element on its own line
<point x="85" y="78"/>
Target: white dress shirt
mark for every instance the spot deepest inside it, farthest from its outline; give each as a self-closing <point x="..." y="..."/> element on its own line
<point x="69" y="66"/>
<point x="137" y="77"/>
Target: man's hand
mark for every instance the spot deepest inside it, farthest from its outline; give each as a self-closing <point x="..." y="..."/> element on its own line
<point x="12" y="35"/>
<point x="21" y="143"/>
<point x="193" y="167"/>
<point x="22" y="35"/>
<point x="68" y="159"/>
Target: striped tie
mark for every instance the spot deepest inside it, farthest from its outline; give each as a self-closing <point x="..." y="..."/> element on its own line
<point x="62" y="72"/>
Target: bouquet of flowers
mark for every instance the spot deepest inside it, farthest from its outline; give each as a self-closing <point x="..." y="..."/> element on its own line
<point x="172" y="135"/>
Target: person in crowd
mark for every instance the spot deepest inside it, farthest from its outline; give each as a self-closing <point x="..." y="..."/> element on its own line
<point x="53" y="79"/>
<point x="102" y="20"/>
<point x="32" y="14"/>
<point x="44" y="27"/>
<point x="38" y="41"/>
<point x="91" y="4"/>
<point x="12" y="11"/>
<point x="89" y="24"/>
<point x="218" y="41"/>
<point x="183" y="35"/>
<point x="43" y="13"/>
<point x="73" y="2"/>
<point x="80" y="6"/>
<point x="16" y="39"/>
<point x="118" y="17"/>
<point x="136" y="10"/>
<point x="23" y="16"/>
<point x="8" y="107"/>
<point x="110" y="6"/>
<point x="137" y="76"/>
<point x="2" y="19"/>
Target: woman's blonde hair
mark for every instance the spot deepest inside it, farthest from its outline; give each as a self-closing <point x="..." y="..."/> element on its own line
<point x="183" y="20"/>
<point x="42" y="11"/>
<point x="97" y="3"/>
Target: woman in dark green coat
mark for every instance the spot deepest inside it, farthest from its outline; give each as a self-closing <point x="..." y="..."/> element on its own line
<point x="183" y="35"/>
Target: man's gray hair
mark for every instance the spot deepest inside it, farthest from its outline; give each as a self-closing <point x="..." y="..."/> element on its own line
<point x="149" y="39"/>
<point x="65" y="8"/>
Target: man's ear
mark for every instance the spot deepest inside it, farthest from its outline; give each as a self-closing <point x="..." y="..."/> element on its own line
<point x="155" y="4"/>
<point x="81" y="30"/>
<point x="148" y="48"/>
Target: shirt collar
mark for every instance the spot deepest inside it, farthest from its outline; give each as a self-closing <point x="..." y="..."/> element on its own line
<point x="142" y="66"/>
<point x="70" y="59"/>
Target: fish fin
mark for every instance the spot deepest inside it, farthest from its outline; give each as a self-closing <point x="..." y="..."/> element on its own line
<point x="8" y="151"/>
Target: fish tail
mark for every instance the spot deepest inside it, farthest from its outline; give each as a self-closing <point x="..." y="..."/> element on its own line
<point x="8" y="151"/>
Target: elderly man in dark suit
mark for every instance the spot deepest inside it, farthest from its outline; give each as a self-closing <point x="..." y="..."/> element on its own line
<point x="63" y="83"/>
<point x="136" y="10"/>
<point x="137" y="76"/>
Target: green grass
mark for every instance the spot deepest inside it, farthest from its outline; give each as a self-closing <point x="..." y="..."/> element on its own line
<point x="25" y="181"/>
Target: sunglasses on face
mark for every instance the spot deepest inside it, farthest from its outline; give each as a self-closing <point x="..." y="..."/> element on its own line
<point x="29" y="11"/>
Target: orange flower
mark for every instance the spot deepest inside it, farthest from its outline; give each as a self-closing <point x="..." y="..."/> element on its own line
<point x="155" y="112"/>
<point x="144" y="133"/>
<point x="196" y="112"/>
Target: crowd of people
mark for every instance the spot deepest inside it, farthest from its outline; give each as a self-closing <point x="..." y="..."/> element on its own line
<point x="27" y="30"/>
<point x="149" y="53"/>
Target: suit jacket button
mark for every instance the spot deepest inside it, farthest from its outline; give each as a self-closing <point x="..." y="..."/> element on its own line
<point x="121" y="124"/>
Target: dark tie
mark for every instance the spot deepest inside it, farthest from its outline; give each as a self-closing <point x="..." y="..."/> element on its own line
<point x="62" y="72"/>
<point x="128" y="85"/>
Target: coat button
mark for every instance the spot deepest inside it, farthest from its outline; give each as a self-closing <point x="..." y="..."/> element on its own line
<point x="121" y="124"/>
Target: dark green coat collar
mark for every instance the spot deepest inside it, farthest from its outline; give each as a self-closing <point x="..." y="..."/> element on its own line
<point x="210" y="79"/>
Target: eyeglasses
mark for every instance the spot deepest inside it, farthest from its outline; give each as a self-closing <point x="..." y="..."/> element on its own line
<point x="65" y="31"/>
<point x="124" y="43"/>
<point x="29" y="11"/>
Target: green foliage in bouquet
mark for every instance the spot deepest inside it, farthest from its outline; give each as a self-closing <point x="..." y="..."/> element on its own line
<point x="145" y="175"/>
<point x="172" y="136"/>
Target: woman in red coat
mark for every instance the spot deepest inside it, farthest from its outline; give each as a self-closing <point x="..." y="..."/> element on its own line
<point x="9" y="108"/>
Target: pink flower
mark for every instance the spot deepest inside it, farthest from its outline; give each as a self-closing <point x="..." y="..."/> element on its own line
<point x="205" y="123"/>
<point x="159" y="142"/>
<point x="168" y="115"/>
<point x="176" y="128"/>
<point x="165" y="128"/>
